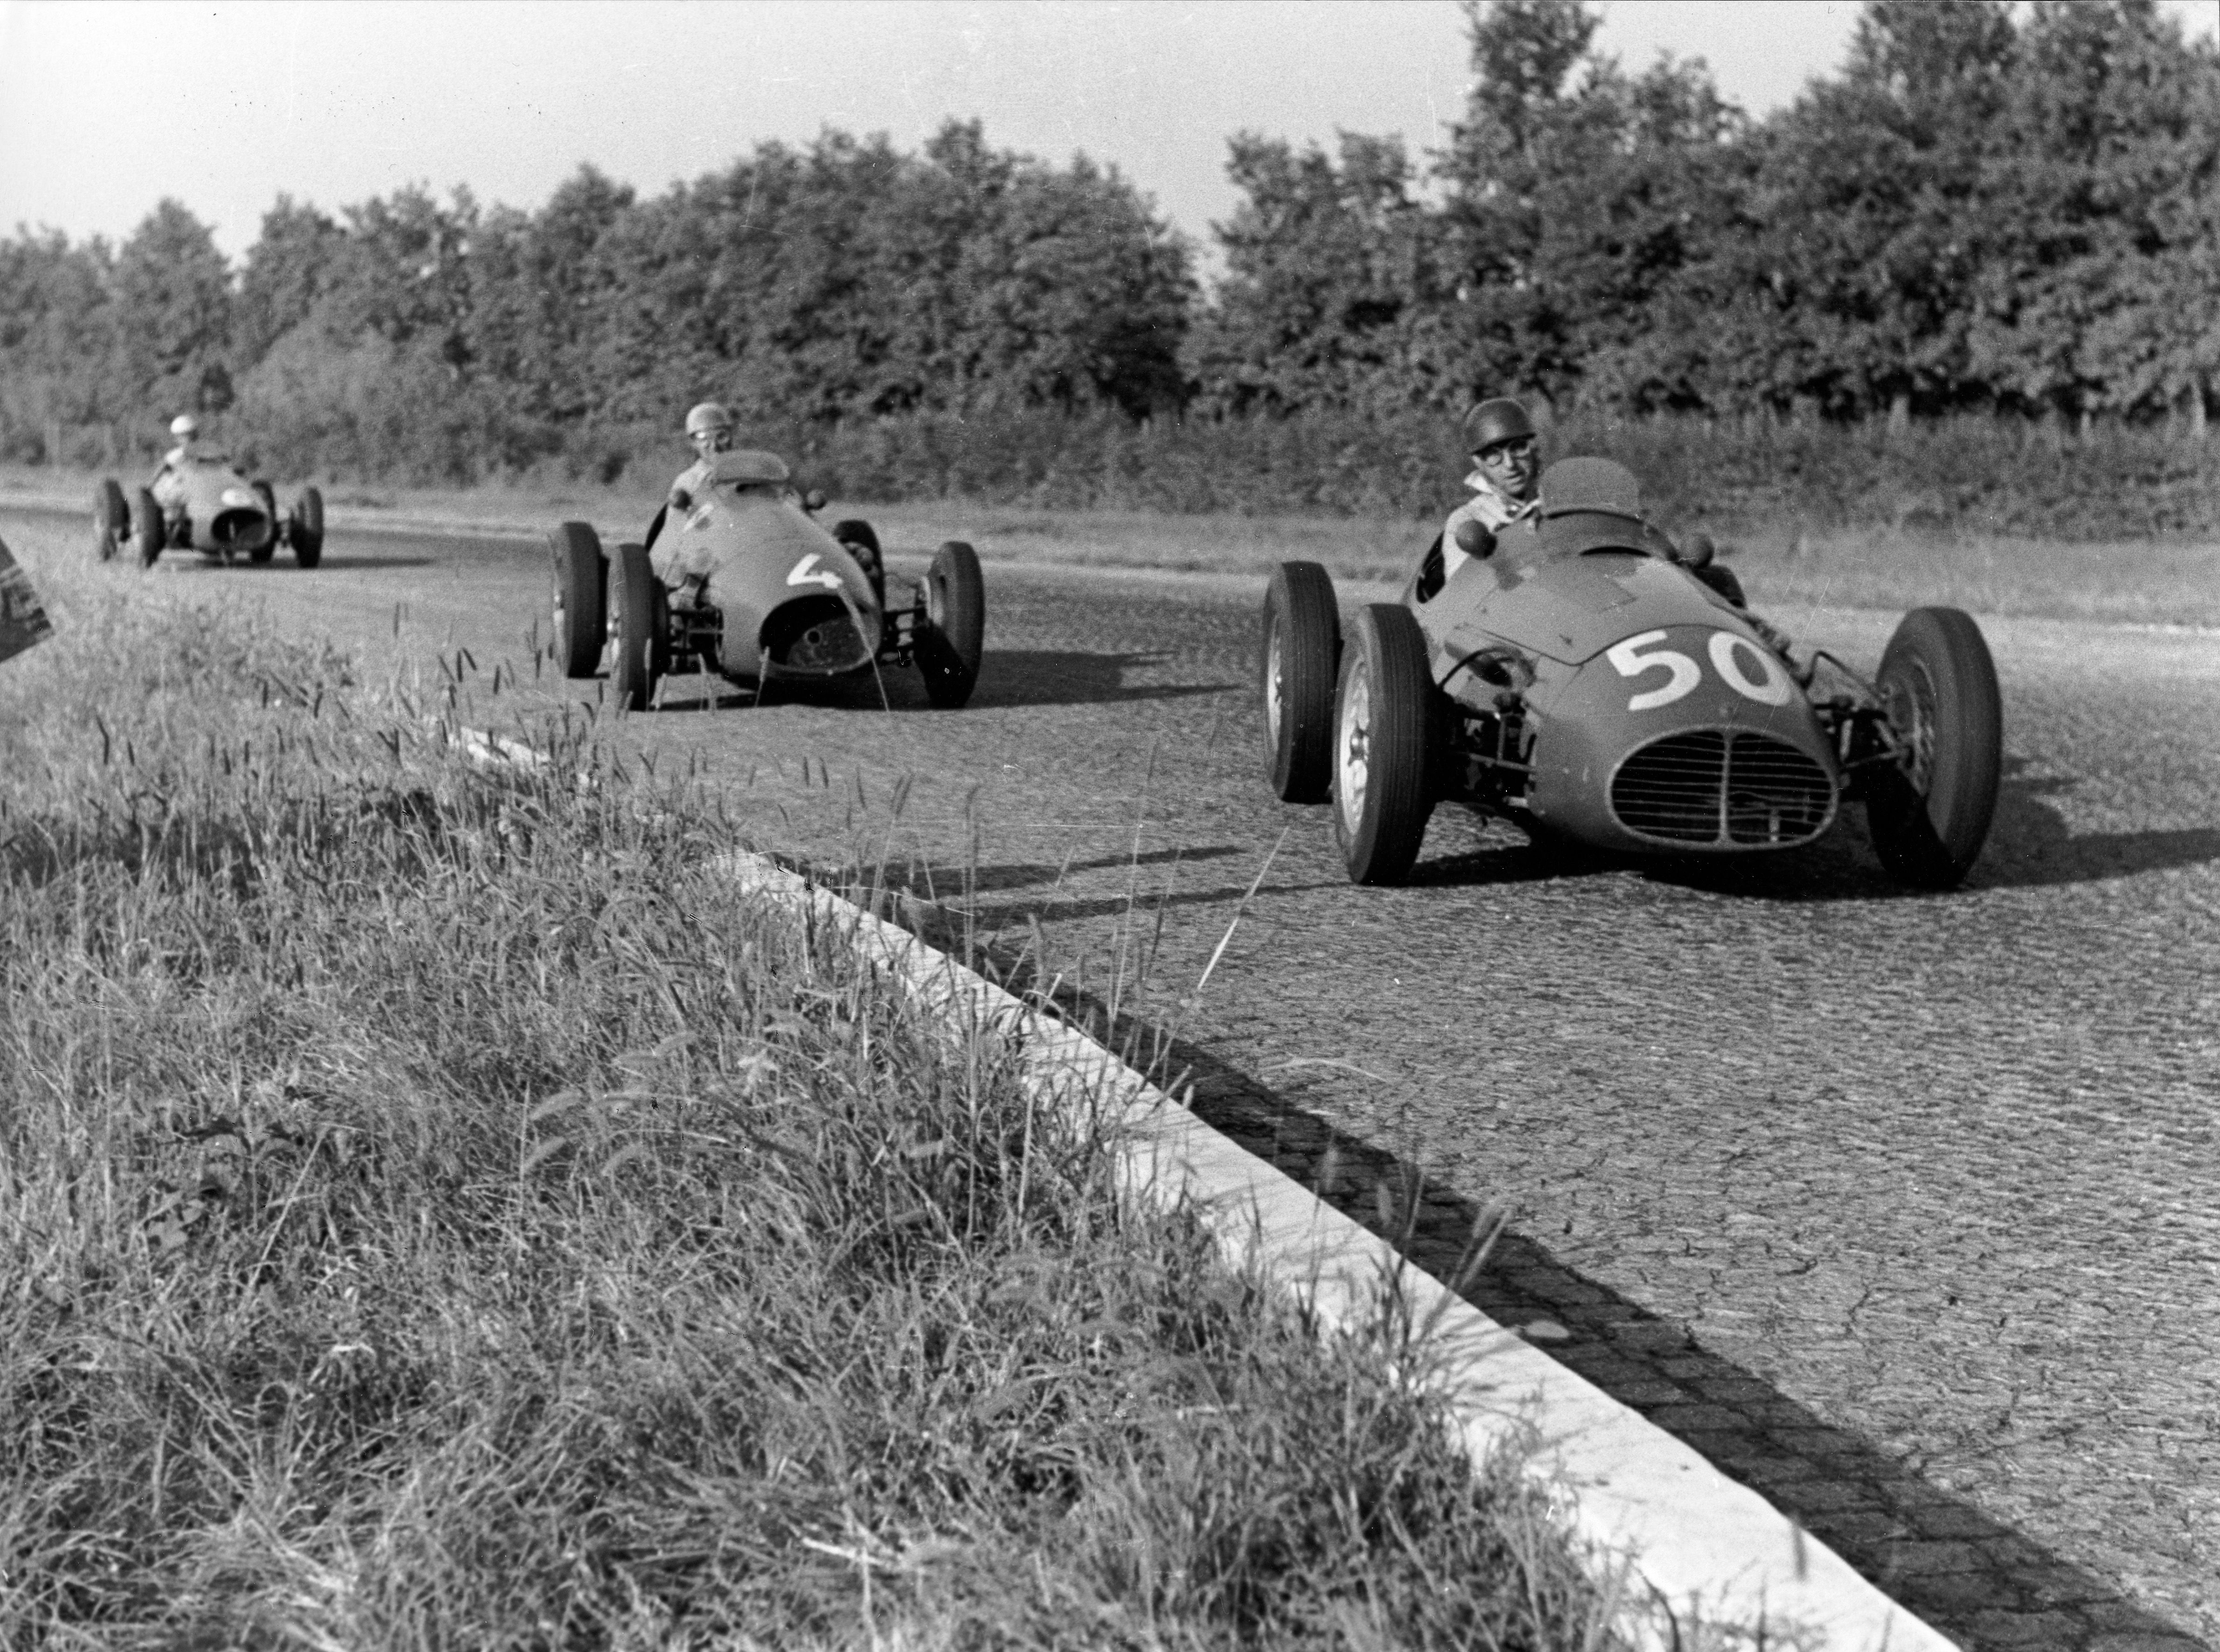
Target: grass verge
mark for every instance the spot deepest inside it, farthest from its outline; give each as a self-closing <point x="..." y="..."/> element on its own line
<point x="441" y="1211"/>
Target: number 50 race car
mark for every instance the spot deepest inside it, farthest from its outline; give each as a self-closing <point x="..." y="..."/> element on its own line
<point x="756" y="591"/>
<point x="216" y="511"/>
<point x="1575" y="676"/>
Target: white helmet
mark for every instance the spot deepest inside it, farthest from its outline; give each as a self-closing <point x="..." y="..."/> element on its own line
<point x="184" y="426"/>
<point x="707" y="416"/>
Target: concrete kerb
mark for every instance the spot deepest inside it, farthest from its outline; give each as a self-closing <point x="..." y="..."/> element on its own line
<point x="1712" y="1552"/>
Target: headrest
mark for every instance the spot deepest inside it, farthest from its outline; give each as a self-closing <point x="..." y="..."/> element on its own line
<point x="747" y="465"/>
<point x="1590" y="484"/>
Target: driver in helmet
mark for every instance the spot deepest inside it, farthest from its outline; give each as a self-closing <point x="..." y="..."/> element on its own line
<point x="1506" y="472"/>
<point x="709" y="431"/>
<point x="168" y="486"/>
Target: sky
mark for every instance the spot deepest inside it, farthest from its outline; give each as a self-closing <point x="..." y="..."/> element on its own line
<point x="106" y="108"/>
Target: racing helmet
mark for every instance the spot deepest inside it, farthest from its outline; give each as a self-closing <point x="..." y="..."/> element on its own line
<point x="706" y="416"/>
<point x="184" y="426"/>
<point x="1497" y="420"/>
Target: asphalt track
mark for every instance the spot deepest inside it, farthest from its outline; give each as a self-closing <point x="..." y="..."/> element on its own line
<point x="1898" y="1207"/>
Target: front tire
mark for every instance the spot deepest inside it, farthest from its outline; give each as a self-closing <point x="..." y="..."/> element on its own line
<point x="634" y="606"/>
<point x="111" y="520"/>
<point x="580" y="624"/>
<point x="308" y="528"/>
<point x="1930" y="817"/>
<point x="147" y="529"/>
<point x="1296" y="665"/>
<point x="953" y="635"/>
<point x="1381" y="726"/>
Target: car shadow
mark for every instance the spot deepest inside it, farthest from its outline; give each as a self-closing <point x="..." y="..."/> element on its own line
<point x="1007" y="677"/>
<point x="1970" y="1575"/>
<point x="1038" y="676"/>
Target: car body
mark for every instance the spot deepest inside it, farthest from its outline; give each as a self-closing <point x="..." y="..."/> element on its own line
<point x="212" y="508"/>
<point x="747" y="584"/>
<point x="1579" y="677"/>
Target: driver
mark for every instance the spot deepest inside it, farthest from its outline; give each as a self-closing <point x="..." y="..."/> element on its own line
<point x="709" y="430"/>
<point x="1506" y="472"/>
<point x="168" y="486"/>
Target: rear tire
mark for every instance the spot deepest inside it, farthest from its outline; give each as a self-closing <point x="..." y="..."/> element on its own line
<point x="147" y="529"/>
<point x="307" y="534"/>
<point x="952" y="635"/>
<point x="1295" y="669"/>
<point x="581" y="623"/>
<point x="1383" y="725"/>
<point x="1938" y="685"/>
<point x="262" y="553"/>
<point x="633" y="607"/>
<point x="111" y="520"/>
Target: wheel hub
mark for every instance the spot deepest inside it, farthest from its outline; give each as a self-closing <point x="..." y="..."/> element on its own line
<point x="1353" y="764"/>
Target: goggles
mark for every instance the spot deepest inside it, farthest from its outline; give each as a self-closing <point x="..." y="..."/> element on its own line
<point x="1516" y="447"/>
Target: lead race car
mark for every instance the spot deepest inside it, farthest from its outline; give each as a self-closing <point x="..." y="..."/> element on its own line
<point x="770" y="595"/>
<point x="218" y="513"/>
<point x="1577" y="675"/>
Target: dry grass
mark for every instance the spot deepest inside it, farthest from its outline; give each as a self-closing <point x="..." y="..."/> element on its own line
<point x="441" y="1211"/>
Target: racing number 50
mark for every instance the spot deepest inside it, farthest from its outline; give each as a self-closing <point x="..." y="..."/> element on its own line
<point x="1731" y="656"/>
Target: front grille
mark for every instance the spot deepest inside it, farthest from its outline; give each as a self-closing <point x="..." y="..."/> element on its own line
<point x="240" y="526"/>
<point x="1723" y="786"/>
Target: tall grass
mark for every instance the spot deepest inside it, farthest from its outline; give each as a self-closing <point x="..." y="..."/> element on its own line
<point x="441" y="1211"/>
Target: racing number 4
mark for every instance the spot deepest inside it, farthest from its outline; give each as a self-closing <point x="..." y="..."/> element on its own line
<point x="804" y="576"/>
<point x="1732" y="657"/>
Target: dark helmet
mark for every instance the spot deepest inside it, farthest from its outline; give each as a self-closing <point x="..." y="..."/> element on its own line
<point x="1500" y="420"/>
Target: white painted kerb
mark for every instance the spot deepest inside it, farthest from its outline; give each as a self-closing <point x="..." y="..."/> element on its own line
<point x="1711" y="1550"/>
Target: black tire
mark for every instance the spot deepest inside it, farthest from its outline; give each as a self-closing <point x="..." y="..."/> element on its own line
<point x="111" y="519"/>
<point x="580" y="624"/>
<point x="1382" y="727"/>
<point x="1938" y="686"/>
<point x="864" y="544"/>
<point x="633" y="607"/>
<point x="147" y="529"/>
<point x="1296" y="664"/>
<point x="952" y="634"/>
<point x="307" y="535"/>
<point x="262" y="553"/>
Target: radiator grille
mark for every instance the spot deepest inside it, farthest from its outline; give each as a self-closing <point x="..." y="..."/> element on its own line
<point x="1723" y="786"/>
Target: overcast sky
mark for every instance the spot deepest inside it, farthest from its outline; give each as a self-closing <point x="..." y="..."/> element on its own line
<point x="104" y="108"/>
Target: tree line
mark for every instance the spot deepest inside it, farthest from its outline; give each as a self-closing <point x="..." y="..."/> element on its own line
<point x="1989" y="209"/>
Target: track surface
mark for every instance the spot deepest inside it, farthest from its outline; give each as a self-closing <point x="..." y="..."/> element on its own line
<point x="1899" y="1208"/>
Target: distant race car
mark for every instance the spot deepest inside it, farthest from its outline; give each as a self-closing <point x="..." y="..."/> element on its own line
<point x="783" y="598"/>
<point x="1577" y="676"/>
<point x="223" y="516"/>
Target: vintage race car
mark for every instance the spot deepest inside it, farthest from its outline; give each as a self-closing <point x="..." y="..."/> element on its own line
<point x="1576" y="676"/>
<point x="220" y="514"/>
<point x="766" y="595"/>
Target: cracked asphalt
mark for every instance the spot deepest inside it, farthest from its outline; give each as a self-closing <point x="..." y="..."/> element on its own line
<point x="1900" y="1207"/>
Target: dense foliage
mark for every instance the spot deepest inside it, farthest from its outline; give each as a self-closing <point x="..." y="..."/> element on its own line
<point x="1989" y="211"/>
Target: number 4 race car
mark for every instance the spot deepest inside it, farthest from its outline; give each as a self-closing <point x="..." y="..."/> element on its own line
<point x="764" y="593"/>
<point x="1573" y="677"/>
<point x="220" y="514"/>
